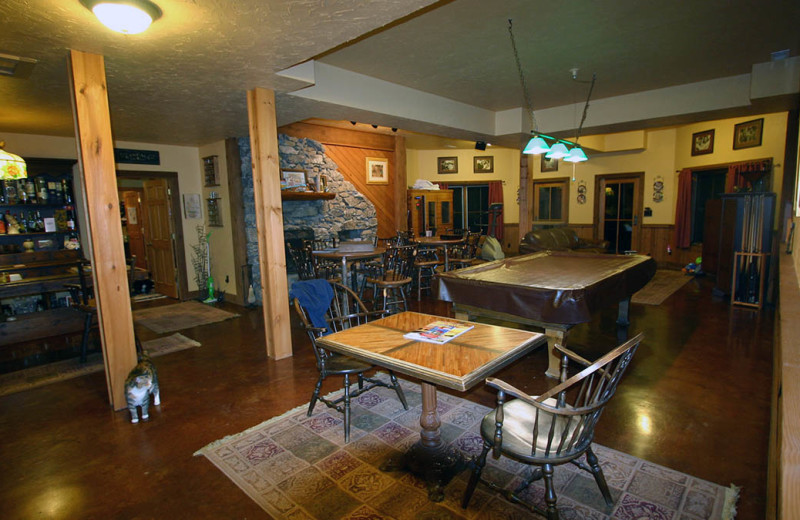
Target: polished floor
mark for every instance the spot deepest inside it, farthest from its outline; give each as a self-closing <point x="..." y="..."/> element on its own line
<point x="695" y="399"/>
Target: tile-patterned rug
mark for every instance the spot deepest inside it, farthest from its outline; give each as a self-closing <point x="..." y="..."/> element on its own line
<point x="296" y="467"/>
<point x="70" y="368"/>
<point x="661" y="286"/>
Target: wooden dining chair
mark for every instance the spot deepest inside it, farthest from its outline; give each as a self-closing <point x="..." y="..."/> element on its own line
<point x="394" y="277"/>
<point x="554" y="428"/>
<point x="344" y="311"/>
<point x="466" y="254"/>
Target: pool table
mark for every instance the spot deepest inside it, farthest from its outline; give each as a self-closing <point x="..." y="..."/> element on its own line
<point x="552" y="290"/>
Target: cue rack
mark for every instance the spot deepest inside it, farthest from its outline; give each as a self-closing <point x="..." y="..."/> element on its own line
<point x="752" y="247"/>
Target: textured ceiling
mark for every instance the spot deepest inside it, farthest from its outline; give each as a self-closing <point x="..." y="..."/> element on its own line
<point x="184" y="80"/>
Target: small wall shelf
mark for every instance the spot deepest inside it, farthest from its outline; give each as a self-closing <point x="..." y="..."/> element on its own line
<point x="214" y="216"/>
<point x="307" y="195"/>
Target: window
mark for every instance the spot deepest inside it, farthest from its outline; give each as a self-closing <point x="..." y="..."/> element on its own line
<point x="550" y="202"/>
<point x="470" y="207"/>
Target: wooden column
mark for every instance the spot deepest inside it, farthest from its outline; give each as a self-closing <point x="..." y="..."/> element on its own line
<point x="96" y="158"/>
<point x="400" y="185"/>
<point x="234" y="162"/>
<point x="269" y="221"/>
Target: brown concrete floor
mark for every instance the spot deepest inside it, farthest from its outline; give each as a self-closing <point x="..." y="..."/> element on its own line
<point x="696" y="399"/>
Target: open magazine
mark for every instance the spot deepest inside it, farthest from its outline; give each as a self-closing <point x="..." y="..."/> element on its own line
<point x="439" y="331"/>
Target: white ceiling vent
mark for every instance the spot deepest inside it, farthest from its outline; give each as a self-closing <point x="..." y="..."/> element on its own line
<point x="16" y="66"/>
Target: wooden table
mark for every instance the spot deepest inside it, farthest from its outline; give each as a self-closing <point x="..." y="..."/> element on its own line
<point x="345" y="257"/>
<point x="458" y="364"/>
<point x="444" y="243"/>
<point x="551" y="290"/>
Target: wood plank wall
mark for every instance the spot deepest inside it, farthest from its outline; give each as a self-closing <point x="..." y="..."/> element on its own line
<point x="349" y="149"/>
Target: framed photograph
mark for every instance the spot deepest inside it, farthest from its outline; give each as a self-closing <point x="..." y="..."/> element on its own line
<point x="191" y="206"/>
<point x="748" y="135"/>
<point x="484" y="164"/>
<point x="447" y="164"/>
<point x="703" y="142"/>
<point x="377" y="170"/>
<point x="549" y="165"/>
<point x="293" y="180"/>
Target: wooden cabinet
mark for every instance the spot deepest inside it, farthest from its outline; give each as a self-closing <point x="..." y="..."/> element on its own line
<point x="430" y="210"/>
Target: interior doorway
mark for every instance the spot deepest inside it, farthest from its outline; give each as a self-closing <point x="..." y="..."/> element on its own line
<point x="619" y="211"/>
<point x="154" y="230"/>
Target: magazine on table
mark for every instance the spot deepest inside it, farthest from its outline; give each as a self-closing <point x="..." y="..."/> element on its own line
<point x="440" y="331"/>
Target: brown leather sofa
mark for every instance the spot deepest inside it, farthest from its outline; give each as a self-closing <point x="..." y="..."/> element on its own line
<point x="559" y="239"/>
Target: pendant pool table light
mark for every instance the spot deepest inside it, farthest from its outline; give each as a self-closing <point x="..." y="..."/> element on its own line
<point x="538" y="144"/>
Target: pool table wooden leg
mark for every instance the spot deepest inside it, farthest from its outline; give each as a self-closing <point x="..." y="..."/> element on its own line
<point x="553" y="358"/>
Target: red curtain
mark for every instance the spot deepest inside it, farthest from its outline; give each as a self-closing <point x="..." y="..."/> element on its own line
<point x="743" y="175"/>
<point x="442" y="185"/>
<point x="495" y="196"/>
<point x="683" y="210"/>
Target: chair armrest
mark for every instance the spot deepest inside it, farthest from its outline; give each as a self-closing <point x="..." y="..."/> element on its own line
<point x="504" y="387"/>
<point x="572" y="355"/>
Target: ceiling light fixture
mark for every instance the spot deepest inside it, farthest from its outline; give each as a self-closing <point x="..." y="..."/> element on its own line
<point x="124" y="16"/>
<point x="12" y="166"/>
<point x="556" y="148"/>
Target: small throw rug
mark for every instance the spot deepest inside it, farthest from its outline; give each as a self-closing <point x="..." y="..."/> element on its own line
<point x="70" y="368"/>
<point x="662" y="286"/>
<point x="296" y="466"/>
<point x="169" y="318"/>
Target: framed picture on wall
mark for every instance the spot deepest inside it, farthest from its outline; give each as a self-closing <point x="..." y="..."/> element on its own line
<point x="377" y="170"/>
<point x="484" y="164"/>
<point x="703" y="142"/>
<point x="447" y="164"/>
<point x="549" y="165"/>
<point x="293" y="180"/>
<point x="748" y="134"/>
<point x="191" y="206"/>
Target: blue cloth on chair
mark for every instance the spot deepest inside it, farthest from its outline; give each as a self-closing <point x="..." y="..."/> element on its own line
<point x="315" y="296"/>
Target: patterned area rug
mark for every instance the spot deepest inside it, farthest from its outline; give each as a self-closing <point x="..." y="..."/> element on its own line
<point x="169" y="318"/>
<point x="296" y="467"/>
<point x="662" y="286"/>
<point x="70" y="368"/>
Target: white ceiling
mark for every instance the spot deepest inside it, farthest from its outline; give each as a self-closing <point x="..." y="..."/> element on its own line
<point x="184" y="80"/>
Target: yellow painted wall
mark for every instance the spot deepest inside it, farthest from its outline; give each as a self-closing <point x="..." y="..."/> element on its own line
<point x="222" y="262"/>
<point x="666" y="152"/>
<point x="422" y="164"/>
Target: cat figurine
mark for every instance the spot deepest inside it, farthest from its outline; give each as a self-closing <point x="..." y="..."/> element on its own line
<point x="142" y="381"/>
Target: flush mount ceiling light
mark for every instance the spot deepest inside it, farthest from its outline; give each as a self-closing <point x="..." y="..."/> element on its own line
<point x="553" y="147"/>
<point x="125" y="16"/>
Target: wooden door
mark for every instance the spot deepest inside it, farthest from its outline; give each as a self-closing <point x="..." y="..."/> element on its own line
<point x="134" y="227"/>
<point x="620" y="211"/>
<point x="158" y="237"/>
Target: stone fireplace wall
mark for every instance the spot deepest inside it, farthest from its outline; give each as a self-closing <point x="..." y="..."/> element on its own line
<point x="349" y="211"/>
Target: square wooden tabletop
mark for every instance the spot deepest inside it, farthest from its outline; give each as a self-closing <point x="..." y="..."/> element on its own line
<point x="458" y="364"/>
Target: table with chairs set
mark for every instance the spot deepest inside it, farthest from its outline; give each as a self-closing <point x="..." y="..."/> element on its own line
<point x="350" y="338"/>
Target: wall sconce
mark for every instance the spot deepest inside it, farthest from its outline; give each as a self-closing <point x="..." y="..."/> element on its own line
<point x="124" y="16"/>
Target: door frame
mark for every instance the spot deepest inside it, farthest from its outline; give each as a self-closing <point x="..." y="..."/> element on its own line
<point x="175" y="221"/>
<point x="638" y="204"/>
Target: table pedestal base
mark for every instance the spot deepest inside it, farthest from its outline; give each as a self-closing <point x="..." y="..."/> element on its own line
<point x="429" y="458"/>
<point x="435" y="466"/>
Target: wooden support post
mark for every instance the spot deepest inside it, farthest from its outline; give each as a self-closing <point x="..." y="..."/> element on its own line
<point x="269" y="221"/>
<point x="96" y="158"/>
<point x="400" y="185"/>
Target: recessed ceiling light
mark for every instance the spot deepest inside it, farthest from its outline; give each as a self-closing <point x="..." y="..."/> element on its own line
<point x="124" y="16"/>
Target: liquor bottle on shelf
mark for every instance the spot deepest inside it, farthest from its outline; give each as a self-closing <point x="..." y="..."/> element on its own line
<point x="2" y="224"/>
<point x="30" y="189"/>
<point x="70" y="220"/>
<point x="39" y="222"/>
<point x="66" y="191"/>
<point x="41" y="190"/>
<point x="22" y="193"/>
